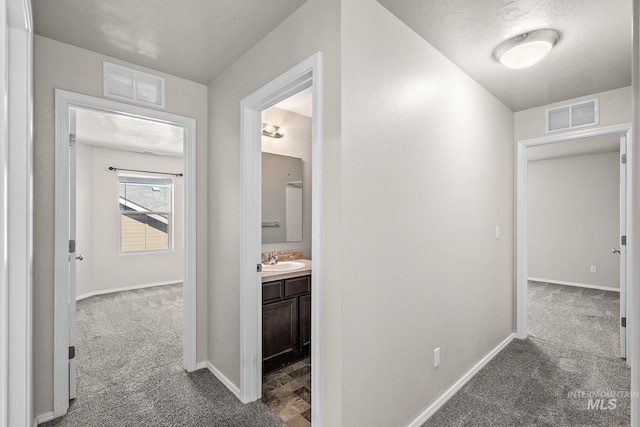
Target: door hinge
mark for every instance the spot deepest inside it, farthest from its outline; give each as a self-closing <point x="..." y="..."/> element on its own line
<point x="72" y="352"/>
<point x="259" y="268"/>
<point x="72" y="246"/>
<point x="623" y="158"/>
<point x="72" y="140"/>
<point x="623" y="240"/>
<point x="623" y="322"/>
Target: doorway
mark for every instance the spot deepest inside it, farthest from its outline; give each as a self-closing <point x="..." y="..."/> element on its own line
<point x="574" y="193"/>
<point x="286" y="242"/>
<point x="67" y="106"/>
<point x="626" y="274"/>
<point x="628" y="288"/>
<point x="304" y="75"/>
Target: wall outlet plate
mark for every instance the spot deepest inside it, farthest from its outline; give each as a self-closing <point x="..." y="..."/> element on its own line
<point x="436" y="357"/>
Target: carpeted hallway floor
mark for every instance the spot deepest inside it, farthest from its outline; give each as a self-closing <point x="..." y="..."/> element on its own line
<point x="555" y="377"/>
<point x="130" y="369"/>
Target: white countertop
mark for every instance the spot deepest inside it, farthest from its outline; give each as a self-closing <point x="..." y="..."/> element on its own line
<point x="269" y="276"/>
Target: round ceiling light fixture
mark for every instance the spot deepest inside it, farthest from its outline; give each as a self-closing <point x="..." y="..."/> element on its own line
<point x="526" y="49"/>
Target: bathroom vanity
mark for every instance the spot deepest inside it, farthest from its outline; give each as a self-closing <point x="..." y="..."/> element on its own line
<point x="286" y="317"/>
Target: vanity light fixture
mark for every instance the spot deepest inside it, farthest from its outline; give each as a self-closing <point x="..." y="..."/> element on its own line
<point x="526" y="49"/>
<point x="272" y="131"/>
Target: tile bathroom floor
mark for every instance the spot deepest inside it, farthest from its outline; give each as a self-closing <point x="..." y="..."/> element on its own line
<point x="287" y="393"/>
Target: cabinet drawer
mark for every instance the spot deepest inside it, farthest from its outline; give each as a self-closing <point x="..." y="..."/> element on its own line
<point x="297" y="286"/>
<point x="272" y="291"/>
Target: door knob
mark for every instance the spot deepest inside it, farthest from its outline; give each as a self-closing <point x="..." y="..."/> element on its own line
<point x="80" y="257"/>
<point x="615" y="251"/>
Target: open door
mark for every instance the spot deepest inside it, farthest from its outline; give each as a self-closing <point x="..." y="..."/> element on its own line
<point x="623" y="246"/>
<point x="72" y="254"/>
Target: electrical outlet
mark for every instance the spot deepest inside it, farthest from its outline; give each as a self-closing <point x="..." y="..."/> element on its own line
<point x="594" y="269"/>
<point x="436" y="357"/>
<point x="498" y="232"/>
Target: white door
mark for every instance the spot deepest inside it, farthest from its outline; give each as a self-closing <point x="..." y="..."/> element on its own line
<point x="623" y="248"/>
<point x="72" y="254"/>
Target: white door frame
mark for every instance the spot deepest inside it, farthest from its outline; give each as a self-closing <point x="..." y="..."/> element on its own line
<point x="64" y="101"/>
<point x="305" y="74"/>
<point x="16" y="213"/>
<point x="521" y="229"/>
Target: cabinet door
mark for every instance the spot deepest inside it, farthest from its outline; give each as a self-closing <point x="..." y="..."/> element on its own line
<point x="305" y="324"/>
<point x="272" y="291"/>
<point x="297" y="286"/>
<point x="279" y="334"/>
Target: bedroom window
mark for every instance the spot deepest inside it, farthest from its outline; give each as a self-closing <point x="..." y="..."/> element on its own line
<point x="146" y="208"/>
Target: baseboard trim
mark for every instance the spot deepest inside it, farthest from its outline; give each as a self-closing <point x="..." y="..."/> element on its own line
<point x="43" y="418"/>
<point x="126" y="288"/>
<point x="201" y="365"/>
<point x="224" y="380"/>
<point x="459" y="384"/>
<point x="579" y="285"/>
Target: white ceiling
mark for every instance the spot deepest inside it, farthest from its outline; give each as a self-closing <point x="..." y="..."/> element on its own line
<point x="300" y="103"/>
<point x="579" y="147"/>
<point x="198" y="39"/>
<point x="118" y="132"/>
<point x="593" y="54"/>
<point x="193" y="39"/>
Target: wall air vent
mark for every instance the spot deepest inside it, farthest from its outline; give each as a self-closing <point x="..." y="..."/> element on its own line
<point x="585" y="113"/>
<point x="131" y="85"/>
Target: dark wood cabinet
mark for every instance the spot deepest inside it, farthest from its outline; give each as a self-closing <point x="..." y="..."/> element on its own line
<point x="279" y="332"/>
<point x="304" y="308"/>
<point x="286" y="322"/>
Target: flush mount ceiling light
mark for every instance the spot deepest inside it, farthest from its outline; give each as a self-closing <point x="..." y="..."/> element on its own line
<point x="526" y="49"/>
<point x="272" y="131"/>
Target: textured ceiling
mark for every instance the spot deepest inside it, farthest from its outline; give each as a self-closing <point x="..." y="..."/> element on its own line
<point x="193" y="39"/>
<point x="119" y="132"/>
<point x="593" y="55"/>
<point x="198" y="39"/>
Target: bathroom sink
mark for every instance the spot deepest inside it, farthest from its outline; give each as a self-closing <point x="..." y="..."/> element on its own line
<point x="283" y="266"/>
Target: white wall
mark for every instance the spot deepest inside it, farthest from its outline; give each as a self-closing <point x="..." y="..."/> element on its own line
<point x="635" y="380"/>
<point x="615" y="107"/>
<point x="295" y="143"/>
<point x="313" y="27"/>
<point x="573" y="219"/>
<point x="16" y="214"/>
<point x="98" y="221"/>
<point x="4" y="241"/>
<point x="417" y="170"/>
<point x="59" y="65"/>
<point x="427" y="173"/>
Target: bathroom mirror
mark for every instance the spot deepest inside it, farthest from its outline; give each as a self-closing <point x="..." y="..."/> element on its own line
<point x="281" y="198"/>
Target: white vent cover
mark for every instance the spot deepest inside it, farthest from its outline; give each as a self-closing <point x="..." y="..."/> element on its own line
<point x="125" y="83"/>
<point x="571" y="116"/>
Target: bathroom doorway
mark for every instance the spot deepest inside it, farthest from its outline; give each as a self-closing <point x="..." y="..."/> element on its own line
<point x="303" y="76"/>
<point x="287" y="258"/>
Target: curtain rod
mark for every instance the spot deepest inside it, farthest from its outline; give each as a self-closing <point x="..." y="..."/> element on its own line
<point x="111" y="168"/>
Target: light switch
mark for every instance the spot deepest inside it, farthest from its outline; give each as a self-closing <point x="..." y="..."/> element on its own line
<point x="498" y="234"/>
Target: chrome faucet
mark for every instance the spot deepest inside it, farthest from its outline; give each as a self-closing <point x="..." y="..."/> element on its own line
<point x="273" y="259"/>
